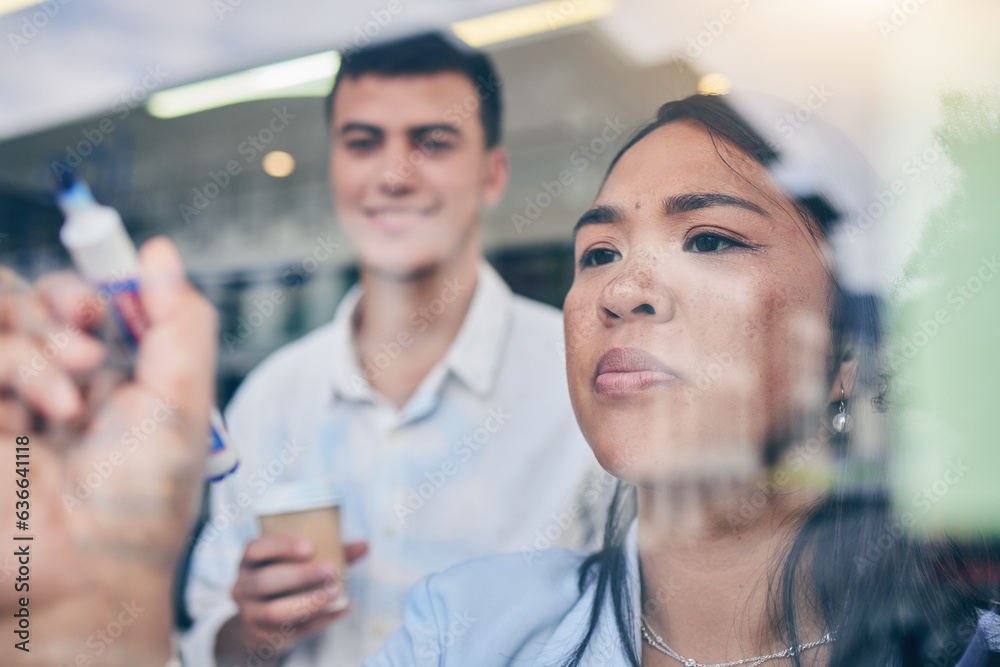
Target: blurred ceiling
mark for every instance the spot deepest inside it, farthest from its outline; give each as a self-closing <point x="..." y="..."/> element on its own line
<point x="146" y="166"/>
<point x="88" y="52"/>
<point x="80" y="60"/>
<point x="880" y="70"/>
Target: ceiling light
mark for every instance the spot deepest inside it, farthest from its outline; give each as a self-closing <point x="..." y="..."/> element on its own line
<point x="278" y="164"/>
<point x="311" y="76"/>
<point x="303" y="77"/>
<point x="714" y="84"/>
<point x="10" y="6"/>
<point x="529" y="20"/>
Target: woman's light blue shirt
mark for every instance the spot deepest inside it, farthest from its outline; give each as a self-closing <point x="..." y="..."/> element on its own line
<point x="514" y="609"/>
<point x="521" y="609"/>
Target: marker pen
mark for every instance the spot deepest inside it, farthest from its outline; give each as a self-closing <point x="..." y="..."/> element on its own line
<point x="104" y="254"/>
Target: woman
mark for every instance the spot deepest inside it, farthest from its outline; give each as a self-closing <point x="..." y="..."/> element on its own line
<point x="715" y="366"/>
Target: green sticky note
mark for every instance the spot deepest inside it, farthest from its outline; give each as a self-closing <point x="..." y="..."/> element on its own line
<point x="945" y="341"/>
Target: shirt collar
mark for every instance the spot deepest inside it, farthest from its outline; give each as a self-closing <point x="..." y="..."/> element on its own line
<point x="474" y="355"/>
<point x="348" y="378"/>
<point x="605" y="647"/>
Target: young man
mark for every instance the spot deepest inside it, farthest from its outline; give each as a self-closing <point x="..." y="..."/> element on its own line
<point x="435" y="402"/>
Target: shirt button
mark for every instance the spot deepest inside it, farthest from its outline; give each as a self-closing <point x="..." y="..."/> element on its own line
<point x="378" y="630"/>
<point x="395" y="434"/>
<point x="389" y="531"/>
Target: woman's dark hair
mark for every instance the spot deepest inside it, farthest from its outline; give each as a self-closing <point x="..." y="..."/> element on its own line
<point x="428" y="53"/>
<point x="891" y="600"/>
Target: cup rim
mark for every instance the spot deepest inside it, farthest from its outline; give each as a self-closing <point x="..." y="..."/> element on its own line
<point x="298" y="496"/>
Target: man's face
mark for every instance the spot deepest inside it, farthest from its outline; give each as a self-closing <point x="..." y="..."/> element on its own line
<point x="409" y="169"/>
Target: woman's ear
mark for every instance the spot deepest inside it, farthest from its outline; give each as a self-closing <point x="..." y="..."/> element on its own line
<point x="846" y="375"/>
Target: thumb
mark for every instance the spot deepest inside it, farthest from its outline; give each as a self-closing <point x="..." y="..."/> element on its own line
<point x="355" y="550"/>
<point x="163" y="283"/>
<point x="177" y="353"/>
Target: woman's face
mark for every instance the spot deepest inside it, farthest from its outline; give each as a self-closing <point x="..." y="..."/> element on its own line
<point x="697" y="326"/>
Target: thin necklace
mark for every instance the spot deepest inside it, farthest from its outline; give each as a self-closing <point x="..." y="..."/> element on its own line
<point x="657" y="642"/>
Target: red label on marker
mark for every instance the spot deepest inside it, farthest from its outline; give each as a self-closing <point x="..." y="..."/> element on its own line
<point x="128" y="306"/>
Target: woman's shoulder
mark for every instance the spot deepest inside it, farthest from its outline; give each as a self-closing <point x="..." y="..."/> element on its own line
<point x="552" y="573"/>
<point x="486" y="611"/>
<point x="985" y="642"/>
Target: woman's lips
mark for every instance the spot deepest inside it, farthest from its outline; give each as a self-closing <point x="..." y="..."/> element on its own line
<point x="627" y="370"/>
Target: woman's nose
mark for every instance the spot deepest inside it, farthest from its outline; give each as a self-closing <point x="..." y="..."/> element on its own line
<point x="636" y="292"/>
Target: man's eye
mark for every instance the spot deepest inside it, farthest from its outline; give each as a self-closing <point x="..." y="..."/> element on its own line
<point x="360" y="144"/>
<point x="432" y="146"/>
<point x="598" y="256"/>
<point x="703" y="243"/>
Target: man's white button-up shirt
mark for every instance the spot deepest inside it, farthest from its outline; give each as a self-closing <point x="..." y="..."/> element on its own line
<point x="485" y="457"/>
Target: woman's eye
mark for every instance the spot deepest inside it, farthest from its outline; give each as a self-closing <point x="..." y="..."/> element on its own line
<point x="710" y="243"/>
<point x="599" y="256"/>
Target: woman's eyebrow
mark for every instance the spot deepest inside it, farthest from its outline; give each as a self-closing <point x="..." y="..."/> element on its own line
<point x="673" y="205"/>
<point x="698" y="200"/>
<point x="599" y="215"/>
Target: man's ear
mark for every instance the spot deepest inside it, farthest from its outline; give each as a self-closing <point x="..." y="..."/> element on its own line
<point x="496" y="176"/>
<point x="846" y="375"/>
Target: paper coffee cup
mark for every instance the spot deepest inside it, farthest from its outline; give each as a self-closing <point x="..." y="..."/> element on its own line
<point x="309" y="510"/>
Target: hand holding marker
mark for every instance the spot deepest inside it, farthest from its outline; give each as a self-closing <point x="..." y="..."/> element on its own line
<point x="101" y="248"/>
